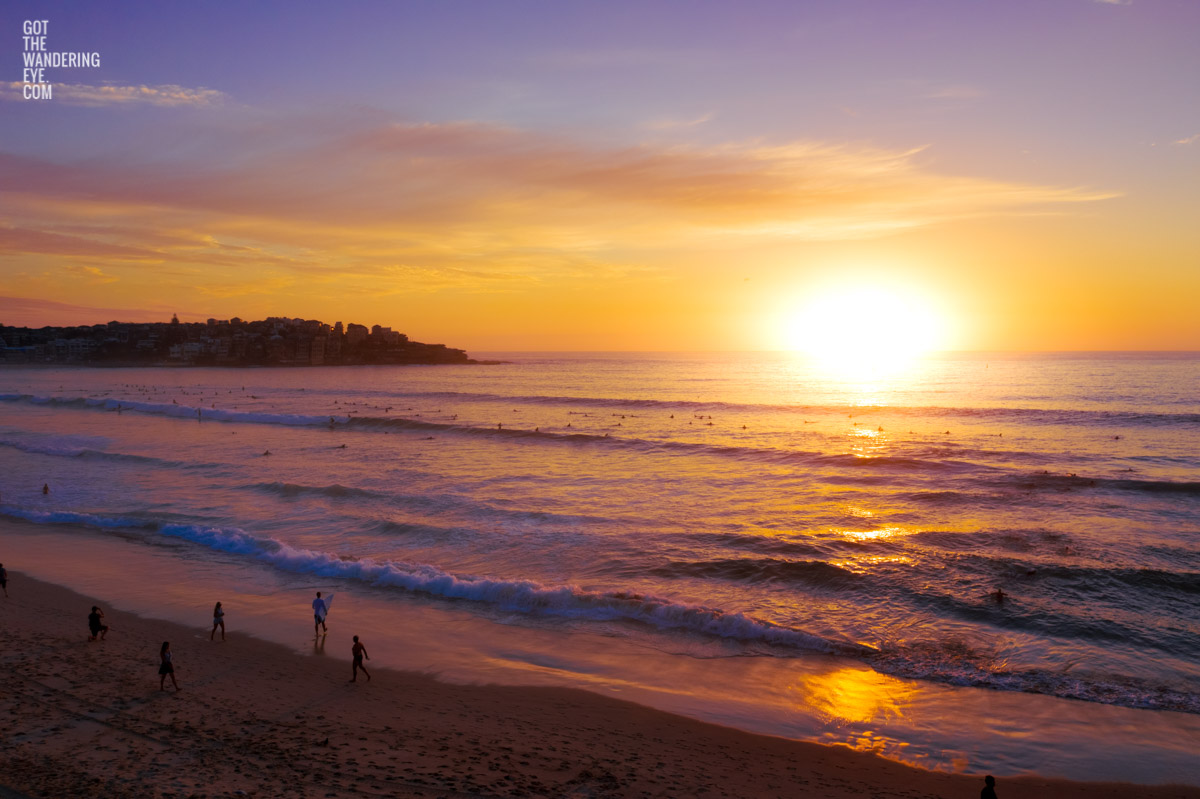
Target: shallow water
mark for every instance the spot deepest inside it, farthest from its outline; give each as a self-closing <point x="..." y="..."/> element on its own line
<point x="746" y="525"/>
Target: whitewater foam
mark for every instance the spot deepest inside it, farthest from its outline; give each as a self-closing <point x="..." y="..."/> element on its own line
<point x="524" y="596"/>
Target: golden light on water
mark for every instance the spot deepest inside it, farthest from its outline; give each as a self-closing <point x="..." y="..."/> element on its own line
<point x="863" y="565"/>
<point x="880" y="534"/>
<point x="864" y="333"/>
<point x="855" y="695"/>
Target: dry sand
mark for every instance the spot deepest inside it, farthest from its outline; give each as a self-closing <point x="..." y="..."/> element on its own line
<point x="254" y="719"/>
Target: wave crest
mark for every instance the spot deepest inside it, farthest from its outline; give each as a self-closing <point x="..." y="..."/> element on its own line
<point x="526" y="596"/>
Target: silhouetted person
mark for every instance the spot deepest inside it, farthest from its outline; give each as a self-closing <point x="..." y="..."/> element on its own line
<point x="999" y="596"/>
<point x="3" y="579"/>
<point x="218" y="621"/>
<point x="319" y="613"/>
<point x="989" y="788"/>
<point x="45" y="488"/>
<point x="359" y="652"/>
<point x="96" y="625"/>
<point x="165" y="667"/>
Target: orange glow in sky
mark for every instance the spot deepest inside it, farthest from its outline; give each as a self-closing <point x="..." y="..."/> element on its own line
<point x="862" y="186"/>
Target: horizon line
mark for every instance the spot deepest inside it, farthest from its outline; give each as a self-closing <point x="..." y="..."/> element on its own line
<point x="800" y="351"/>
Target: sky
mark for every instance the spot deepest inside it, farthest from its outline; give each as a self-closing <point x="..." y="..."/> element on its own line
<point x="1011" y="174"/>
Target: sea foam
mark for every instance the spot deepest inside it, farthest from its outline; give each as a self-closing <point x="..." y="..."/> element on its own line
<point x="525" y="596"/>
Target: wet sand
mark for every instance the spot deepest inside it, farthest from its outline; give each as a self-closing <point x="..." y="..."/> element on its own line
<point x="254" y="719"/>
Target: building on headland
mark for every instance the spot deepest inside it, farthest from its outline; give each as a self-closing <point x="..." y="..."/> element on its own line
<point x="275" y="341"/>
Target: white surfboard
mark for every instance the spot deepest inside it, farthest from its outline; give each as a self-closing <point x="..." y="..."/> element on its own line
<point x="328" y="600"/>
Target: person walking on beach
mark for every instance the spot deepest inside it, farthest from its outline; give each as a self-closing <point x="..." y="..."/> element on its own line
<point x="45" y="488"/>
<point x="96" y="625"/>
<point x="989" y="788"/>
<point x="165" y="667"/>
<point x="359" y="652"/>
<point x="218" y="621"/>
<point x="4" y="579"/>
<point x="319" y="612"/>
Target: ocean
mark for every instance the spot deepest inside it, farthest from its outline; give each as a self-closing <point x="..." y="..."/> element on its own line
<point x="742" y="537"/>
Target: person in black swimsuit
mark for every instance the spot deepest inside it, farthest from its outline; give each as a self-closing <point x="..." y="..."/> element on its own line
<point x="96" y="625"/>
<point x="218" y="621"/>
<point x="166" y="667"/>
<point x="359" y="652"/>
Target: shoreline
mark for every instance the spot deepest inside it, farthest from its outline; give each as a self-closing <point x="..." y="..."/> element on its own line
<point x="254" y="716"/>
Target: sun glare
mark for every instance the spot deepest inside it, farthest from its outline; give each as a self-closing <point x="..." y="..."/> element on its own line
<point x="865" y="332"/>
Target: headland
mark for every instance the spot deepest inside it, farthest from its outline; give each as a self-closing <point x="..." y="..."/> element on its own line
<point x="274" y="341"/>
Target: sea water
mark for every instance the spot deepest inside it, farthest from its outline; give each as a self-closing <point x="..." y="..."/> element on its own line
<point x="753" y="539"/>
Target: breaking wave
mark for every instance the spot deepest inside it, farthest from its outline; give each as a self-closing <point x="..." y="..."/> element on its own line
<point x="523" y="596"/>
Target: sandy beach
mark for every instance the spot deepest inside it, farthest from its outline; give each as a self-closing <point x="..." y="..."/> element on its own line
<point x="254" y="719"/>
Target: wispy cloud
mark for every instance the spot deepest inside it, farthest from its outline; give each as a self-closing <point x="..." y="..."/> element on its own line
<point x="957" y="92"/>
<point x="1195" y="137"/>
<point x="674" y="123"/>
<point x="52" y="243"/>
<point x="364" y="205"/>
<point x="25" y="311"/>
<point x="618" y="58"/>
<point x="109" y="94"/>
<point x="94" y="273"/>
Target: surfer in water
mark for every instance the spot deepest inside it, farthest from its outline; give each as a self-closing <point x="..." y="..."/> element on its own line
<point x="319" y="613"/>
<point x="359" y="652"/>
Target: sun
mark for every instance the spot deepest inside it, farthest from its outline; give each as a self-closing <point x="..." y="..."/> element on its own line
<point x="865" y="331"/>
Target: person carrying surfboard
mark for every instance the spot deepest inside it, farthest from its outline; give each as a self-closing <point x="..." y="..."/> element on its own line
<point x="320" y="610"/>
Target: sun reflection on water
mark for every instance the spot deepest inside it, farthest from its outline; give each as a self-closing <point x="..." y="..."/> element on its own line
<point x="868" y="442"/>
<point x="882" y="533"/>
<point x="863" y="565"/>
<point x="854" y="695"/>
